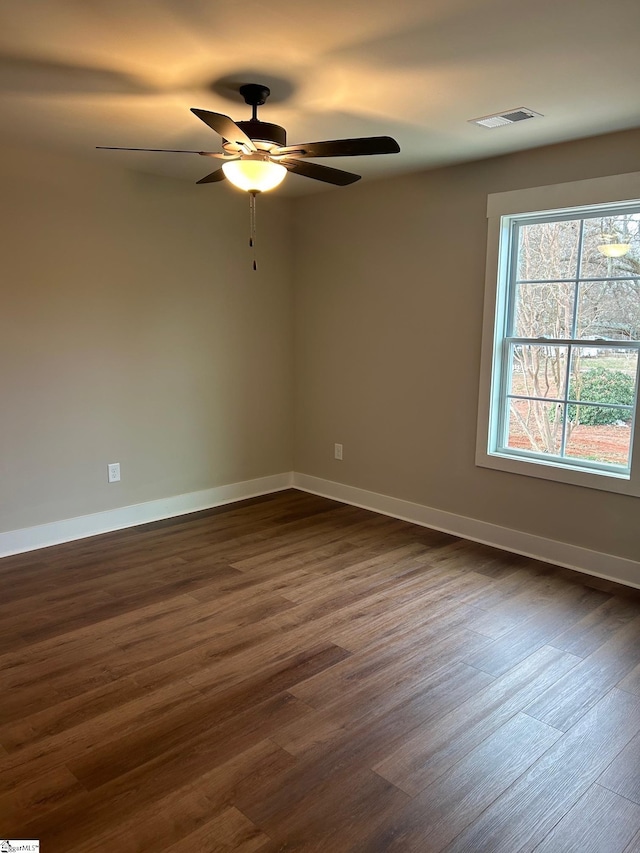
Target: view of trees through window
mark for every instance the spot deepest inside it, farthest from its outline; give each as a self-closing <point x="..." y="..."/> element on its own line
<point x="572" y="340"/>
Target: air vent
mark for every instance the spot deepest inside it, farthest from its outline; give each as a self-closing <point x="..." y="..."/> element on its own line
<point x="508" y="117"/>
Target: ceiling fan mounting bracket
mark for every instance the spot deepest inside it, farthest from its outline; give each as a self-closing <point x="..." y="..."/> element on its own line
<point x="254" y="94"/>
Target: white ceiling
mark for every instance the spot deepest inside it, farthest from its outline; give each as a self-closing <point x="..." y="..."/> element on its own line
<point x="79" y="73"/>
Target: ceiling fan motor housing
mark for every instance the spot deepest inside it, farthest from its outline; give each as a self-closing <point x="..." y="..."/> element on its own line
<point x="263" y="131"/>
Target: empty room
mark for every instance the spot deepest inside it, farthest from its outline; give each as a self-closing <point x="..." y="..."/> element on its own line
<point x="319" y="460"/>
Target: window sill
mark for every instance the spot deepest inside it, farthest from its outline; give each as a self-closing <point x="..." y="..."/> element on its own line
<point x="613" y="481"/>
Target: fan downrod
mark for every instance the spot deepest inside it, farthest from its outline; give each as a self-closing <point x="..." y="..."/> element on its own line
<point x="255" y="94"/>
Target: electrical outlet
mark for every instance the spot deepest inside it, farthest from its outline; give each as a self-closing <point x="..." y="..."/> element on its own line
<point x="113" y="471"/>
<point x="337" y="451"/>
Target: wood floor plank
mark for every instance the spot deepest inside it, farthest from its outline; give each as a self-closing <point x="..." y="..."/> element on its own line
<point x="634" y="846"/>
<point x="228" y="830"/>
<point x="524" y="815"/>
<point x="68" y="713"/>
<point x="600" y="822"/>
<point x="562" y="704"/>
<point x="535" y="631"/>
<point x="372" y="725"/>
<point x="376" y="671"/>
<point x="531" y="584"/>
<point x="42" y="793"/>
<point x="492" y="623"/>
<point x="152" y="807"/>
<point x="345" y="810"/>
<point x="17" y="704"/>
<point x="596" y="628"/>
<point x="356" y="738"/>
<point x="195" y="722"/>
<point x="433" y="749"/>
<point x="283" y="672"/>
<point x="631" y="682"/>
<point x="45" y="620"/>
<point x="130" y="585"/>
<point x="293" y="674"/>
<point x="71" y="671"/>
<point x="454" y="800"/>
<point x="69" y="746"/>
<point x="283" y="583"/>
<point x="424" y="617"/>
<point x="623" y="774"/>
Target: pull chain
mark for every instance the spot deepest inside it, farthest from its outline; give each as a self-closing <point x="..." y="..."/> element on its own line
<point x="252" y="226"/>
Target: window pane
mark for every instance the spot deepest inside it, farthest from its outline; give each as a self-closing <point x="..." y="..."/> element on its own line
<point x="602" y="375"/>
<point x="609" y="444"/>
<point x="548" y="250"/>
<point x="609" y="309"/>
<point x="538" y="370"/>
<point x="535" y="425"/>
<point x="621" y="231"/>
<point x="544" y="310"/>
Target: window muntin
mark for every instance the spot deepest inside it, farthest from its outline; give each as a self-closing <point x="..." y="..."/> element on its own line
<point x="565" y="371"/>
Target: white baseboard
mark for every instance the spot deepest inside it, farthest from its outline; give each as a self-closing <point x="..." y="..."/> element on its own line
<point x="43" y="535"/>
<point x="607" y="566"/>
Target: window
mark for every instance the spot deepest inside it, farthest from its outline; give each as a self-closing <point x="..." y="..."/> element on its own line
<point x="560" y="368"/>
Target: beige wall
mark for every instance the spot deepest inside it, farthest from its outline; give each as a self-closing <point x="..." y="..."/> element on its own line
<point x="133" y="330"/>
<point x="389" y="294"/>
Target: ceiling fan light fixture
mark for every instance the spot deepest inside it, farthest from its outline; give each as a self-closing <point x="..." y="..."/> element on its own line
<point x="254" y="176"/>
<point x="614" y="250"/>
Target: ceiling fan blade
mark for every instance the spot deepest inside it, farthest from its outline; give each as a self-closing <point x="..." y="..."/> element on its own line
<point x="343" y="147"/>
<point x="212" y="178"/>
<point x="320" y="173"/>
<point x="227" y="128"/>
<point x="165" y="151"/>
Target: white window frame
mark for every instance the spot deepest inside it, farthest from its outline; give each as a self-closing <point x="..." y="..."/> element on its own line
<point x="547" y="199"/>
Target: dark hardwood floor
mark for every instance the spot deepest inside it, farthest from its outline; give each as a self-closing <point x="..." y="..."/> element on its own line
<point x="291" y="673"/>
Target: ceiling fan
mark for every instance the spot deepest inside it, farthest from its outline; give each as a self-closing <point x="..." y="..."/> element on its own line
<point x="256" y="157"/>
